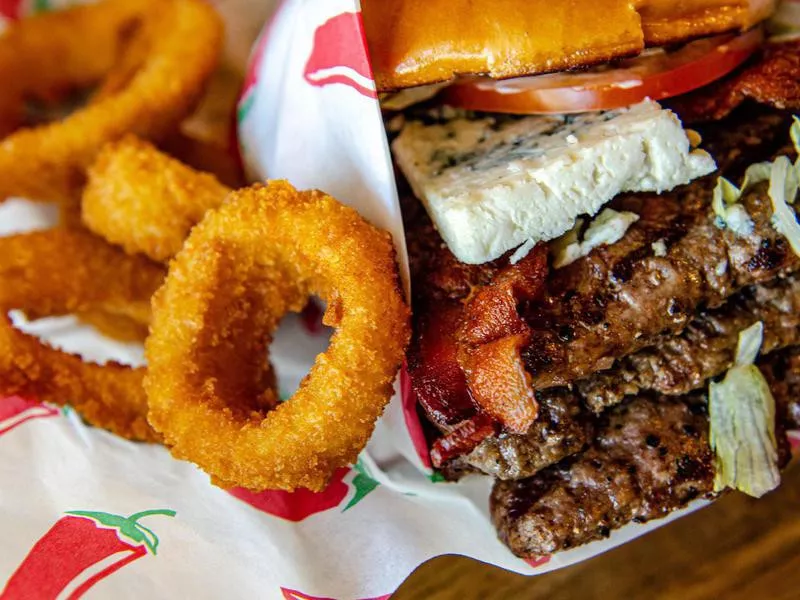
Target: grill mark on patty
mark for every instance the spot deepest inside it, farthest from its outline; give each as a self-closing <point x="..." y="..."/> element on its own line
<point x="674" y="365"/>
<point x="626" y="296"/>
<point x="624" y="476"/>
<point x="677" y="364"/>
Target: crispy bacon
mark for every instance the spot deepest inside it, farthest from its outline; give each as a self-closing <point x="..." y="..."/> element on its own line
<point x="462" y="439"/>
<point x="491" y="312"/>
<point x="436" y="376"/>
<point x="492" y="338"/>
<point x="773" y="79"/>
<point x="466" y="357"/>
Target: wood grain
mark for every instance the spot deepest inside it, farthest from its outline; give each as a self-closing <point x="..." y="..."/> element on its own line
<point x="738" y="548"/>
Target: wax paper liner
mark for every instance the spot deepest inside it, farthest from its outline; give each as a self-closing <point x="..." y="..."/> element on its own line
<point x="85" y="513"/>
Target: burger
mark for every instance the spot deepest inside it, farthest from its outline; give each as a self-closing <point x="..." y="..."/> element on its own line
<point x="598" y="199"/>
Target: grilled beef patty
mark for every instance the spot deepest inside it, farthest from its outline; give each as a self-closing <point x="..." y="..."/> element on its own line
<point x="649" y="457"/>
<point x="677" y="364"/>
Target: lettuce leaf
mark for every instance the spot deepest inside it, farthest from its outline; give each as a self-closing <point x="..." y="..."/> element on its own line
<point x="742" y="423"/>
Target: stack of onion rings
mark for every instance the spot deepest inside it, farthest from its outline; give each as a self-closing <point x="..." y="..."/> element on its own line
<point x="261" y="254"/>
<point x="58" y="272"/>
<point x="77" y="47"/>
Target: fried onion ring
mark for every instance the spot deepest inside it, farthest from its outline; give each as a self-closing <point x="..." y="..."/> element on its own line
<point x="145" y="201"/>
<point x="108" y="396"/>
<point x="63" y="271"/>
<point x="261" y="254"/>
<point x="58" y="272"/>
<point x="76" y="47"/>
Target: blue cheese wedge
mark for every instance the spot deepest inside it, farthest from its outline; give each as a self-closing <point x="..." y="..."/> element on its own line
<point x="491" y="183"/>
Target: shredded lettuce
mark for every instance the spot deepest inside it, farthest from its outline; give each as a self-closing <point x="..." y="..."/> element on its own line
<point x="729" y="213"/>
<point x="784" y="182"/>
<point x="783" y="186"/>
<point x="742" y="423"/>
<point x="756" y="173"/>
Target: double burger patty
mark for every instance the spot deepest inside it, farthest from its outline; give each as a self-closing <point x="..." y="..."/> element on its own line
<point x="676" y="364"/>
<point x="609" y="325"/>
<point x="649" y="457"/>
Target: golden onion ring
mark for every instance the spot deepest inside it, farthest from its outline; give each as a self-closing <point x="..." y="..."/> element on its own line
<point x="261" y="254"/>
<point x="75" y="48"/>
<point x="58" y="272"/>
<point x="145" y="201"/>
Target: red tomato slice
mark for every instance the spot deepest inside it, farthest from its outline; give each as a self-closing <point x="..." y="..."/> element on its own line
<point x="656" y="74"/>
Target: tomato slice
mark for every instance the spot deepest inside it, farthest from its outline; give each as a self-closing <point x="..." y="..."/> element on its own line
<point x="655" y="74"/>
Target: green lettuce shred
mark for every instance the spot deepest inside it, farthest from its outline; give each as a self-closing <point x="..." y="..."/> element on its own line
<point x="742" y="423"/>
<point x="784" y="182"/>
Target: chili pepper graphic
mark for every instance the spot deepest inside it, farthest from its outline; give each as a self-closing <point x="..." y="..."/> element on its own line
<point x="11" y="9"/>
<point x="15" y="411"/>
<point x="339" y="55"/>
<point x="301" y="504"/>
<point x="295" y="595"/>
<point x="298" y="505"/>
<point x="79" y="550"/>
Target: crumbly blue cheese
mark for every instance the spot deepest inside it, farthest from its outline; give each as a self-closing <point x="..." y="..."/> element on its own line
<point x="491" y="183"/>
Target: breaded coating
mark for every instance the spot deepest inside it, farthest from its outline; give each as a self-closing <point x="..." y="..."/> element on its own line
<point x="64" y="271"/>
<point x="76" y="47"/>
<point x="110" y="396"/>
<point x="61" y="271"/>
<point x="261" y="254"/>
<point x="145" y="201"/>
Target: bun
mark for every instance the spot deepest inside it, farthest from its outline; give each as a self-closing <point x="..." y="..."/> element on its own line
<point x="417" y="42"/>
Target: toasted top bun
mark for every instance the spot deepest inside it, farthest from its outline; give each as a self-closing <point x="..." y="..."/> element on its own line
<point x="418" y="42"/>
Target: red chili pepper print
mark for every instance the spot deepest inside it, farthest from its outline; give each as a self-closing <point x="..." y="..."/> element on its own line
<point x="14" y="411"/>
<point x="301" y="504"/>
<point x="298" y="505"/>
<point x="295" y="595"/>
<point x="247" y="95"/>
<point x="339" y="55"/>
<point x="11" y="9"/>
<point x="79" y="550"/>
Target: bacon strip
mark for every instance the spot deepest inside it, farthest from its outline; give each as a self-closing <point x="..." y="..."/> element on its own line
<point x="774" y="80"/>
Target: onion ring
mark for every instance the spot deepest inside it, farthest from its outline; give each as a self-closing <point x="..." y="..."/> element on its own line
<point x="261" y="254"/>
<point x="58" y="272"/>
<point x="145" y="201"/>
<point x="75" y="47"/>
<point x="63" y="271"/>
<point x="108" y="396"/>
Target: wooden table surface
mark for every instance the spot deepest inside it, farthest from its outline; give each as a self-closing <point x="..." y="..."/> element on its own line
<point x="737" y="548"/>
